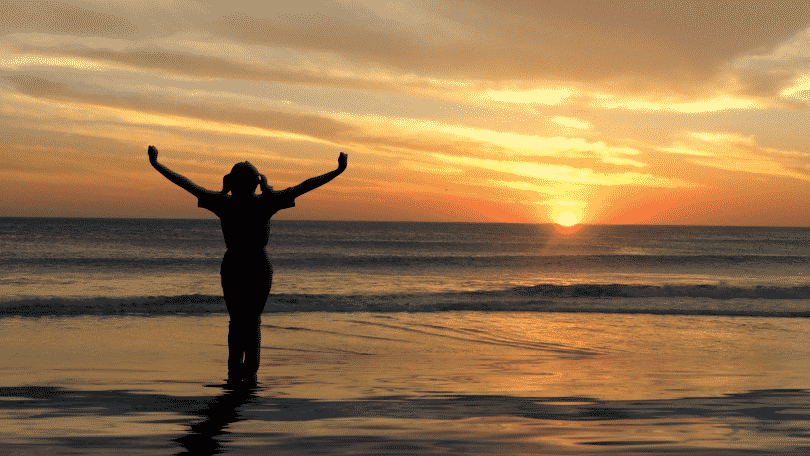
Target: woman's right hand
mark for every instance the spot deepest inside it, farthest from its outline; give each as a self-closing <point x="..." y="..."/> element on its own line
<point x="342" y="161"/>
<point x="153" y="154"/>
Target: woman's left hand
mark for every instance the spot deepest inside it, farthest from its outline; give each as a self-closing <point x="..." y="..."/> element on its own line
<point x="226" y="184"/>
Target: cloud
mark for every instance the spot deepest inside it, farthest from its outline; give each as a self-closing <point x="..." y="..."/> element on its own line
<point x="429" y="168"/>
<point x="491" y="98"/>
<point x="562" y="173"/>
<point x="549" y="96"/>
<point x="552" y="190"/>
<point x="673" y="47"/>
<point x="505" y="143"/>
<point x="672" y="53"/>
<point x="734" y="152"/>
<point x="61" y="17"/>
<point x="97" y="107"/>
<point x="571" y="122"/>
<point x="215" y="110"/>
<point x="714" y="104"/>
<point x="776" y="72"/>
<point x="583" y="98"/>
<point x="636" y="45"/>
<point x="203" y="67"/>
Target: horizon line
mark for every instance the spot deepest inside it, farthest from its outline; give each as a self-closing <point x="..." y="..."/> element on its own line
<point x="401" y="221"/>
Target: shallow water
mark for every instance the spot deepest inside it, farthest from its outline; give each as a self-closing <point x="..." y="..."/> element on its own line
<point x="403" y="383"/>
<point x="117" y="259"/>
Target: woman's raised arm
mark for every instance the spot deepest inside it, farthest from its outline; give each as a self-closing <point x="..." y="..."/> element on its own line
<point x="175" y="178"/>
<point x="317" y="181"/>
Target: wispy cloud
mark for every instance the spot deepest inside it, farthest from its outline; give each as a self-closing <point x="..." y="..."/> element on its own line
<point x="734" y="152"/>
<point x="497" y="104"/>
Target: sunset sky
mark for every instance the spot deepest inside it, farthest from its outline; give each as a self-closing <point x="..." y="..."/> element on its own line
<point x="476" y="110"/>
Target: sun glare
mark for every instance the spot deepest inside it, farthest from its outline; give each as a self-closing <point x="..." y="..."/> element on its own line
<point x="567" y="218"/>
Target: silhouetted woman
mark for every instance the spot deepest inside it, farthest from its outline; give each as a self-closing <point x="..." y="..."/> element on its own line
<point x="246" y="270"/>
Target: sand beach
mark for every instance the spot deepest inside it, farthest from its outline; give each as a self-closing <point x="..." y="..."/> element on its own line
<point x="408" y="383"/>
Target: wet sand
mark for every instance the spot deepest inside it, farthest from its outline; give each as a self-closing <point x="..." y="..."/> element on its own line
<point x="427" y="383"/>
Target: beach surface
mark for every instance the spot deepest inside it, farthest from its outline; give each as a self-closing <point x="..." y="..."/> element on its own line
<point x="408" y="383"/>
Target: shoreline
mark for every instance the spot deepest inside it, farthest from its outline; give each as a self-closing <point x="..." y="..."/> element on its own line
<point x="516" y="300"/>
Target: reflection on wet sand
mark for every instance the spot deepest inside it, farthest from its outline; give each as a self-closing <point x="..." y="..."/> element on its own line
<point x="364" y="383"/>
<point x="774" y="421"/>
<point x="204" y="437"/>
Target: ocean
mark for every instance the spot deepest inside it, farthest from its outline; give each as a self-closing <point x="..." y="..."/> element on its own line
<point x="153" y="265"/>
<point x="399" y="338"/>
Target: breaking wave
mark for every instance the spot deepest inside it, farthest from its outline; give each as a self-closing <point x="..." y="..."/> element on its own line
<point x="763" y="301"/>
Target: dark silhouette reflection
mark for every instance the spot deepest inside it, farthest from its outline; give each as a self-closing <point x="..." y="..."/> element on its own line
<point x="755" y="422"/>
<point x="204" y="437"/>
<point x="246" y="271"/>
<point x="758" y="422"/>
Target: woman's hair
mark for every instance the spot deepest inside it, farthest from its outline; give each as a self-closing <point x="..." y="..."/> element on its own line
<point x="243" y="174"/>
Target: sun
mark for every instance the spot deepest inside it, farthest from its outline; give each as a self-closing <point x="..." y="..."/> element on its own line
<point x="567" y="218"/>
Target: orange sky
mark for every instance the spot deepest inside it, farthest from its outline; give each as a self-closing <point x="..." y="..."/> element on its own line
<point x="481" y="110"/>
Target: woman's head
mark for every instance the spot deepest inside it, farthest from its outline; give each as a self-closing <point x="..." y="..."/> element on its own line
<point x="243" y="179"/>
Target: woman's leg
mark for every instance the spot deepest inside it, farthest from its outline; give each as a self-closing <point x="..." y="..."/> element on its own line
<point x="236" y="349"/>
<point x="236" y="340"/>
<point x="253" y="325"/>
<point x="246" y="291"/>
<point x="253" y="347"/>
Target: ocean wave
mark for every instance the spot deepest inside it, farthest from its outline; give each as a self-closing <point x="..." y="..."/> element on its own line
<point x="372" y="260"/>
<point x="764" y="301"/>
<point x="665" y="291"/>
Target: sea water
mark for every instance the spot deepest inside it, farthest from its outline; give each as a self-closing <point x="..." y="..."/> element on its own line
<point x="339" y="266"/>
<point x="627" y="339"/>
